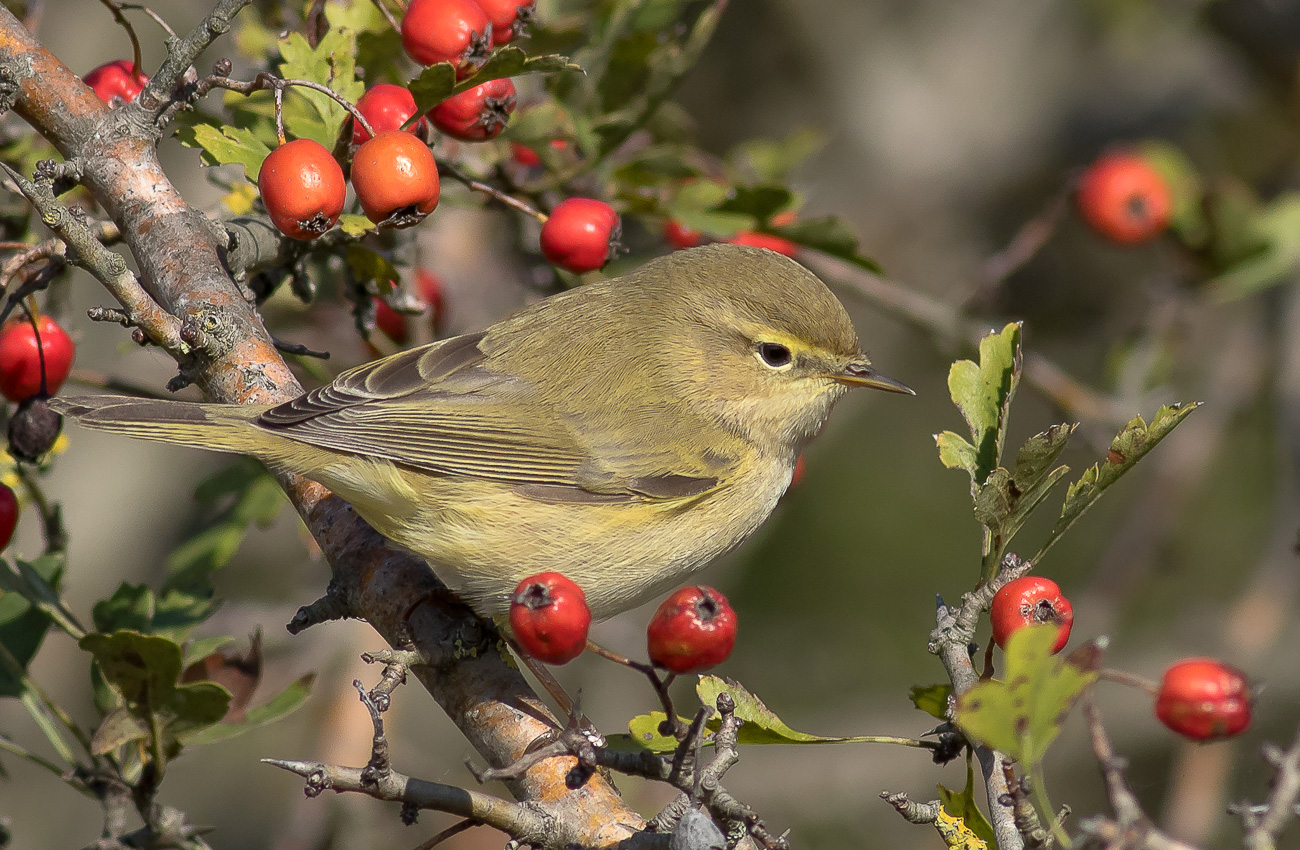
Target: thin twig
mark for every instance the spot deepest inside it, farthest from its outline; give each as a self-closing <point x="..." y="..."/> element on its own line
<point x="1284" y="791"/>
<point x="496" y="194"/>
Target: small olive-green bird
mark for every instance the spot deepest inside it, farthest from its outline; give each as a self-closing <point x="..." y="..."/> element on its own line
<point x="624" y="433"/>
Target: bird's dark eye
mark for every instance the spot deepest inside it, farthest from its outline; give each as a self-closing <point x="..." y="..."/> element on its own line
<point x="774" y="354"/>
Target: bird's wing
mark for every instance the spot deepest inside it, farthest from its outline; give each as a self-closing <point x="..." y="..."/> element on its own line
<point x="440" y="409"/>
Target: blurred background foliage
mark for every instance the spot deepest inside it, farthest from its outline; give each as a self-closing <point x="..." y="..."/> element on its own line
<point x="944" y="127"/>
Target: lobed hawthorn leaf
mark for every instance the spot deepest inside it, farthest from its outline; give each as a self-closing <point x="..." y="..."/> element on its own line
<point x="23" y="620"/>
<point x="226" y="145"/>
<point x="130" y="607"/>
<point x="310" y="114"/>
<point x="1022" y="714"/>
<point x="438" y="82"/>
<point x="962" y="807"/>
<point x="932" y="699"/>
<point x="1007" y="499"/>
<point x="983" y="393"/>
<point x="282" y="705"/>
<point x="1130" y="445"/>
<point x="143" y="668"/>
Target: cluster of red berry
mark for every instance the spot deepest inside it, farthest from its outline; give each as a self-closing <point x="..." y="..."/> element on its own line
<point x="35" y="358"/>
<point x="693" y="630"/>
<point x="1199" y="698"/>
<point x="680" y="236"/>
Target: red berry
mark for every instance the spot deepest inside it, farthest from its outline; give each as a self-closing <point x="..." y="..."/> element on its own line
<point x="477" y="114"/>
<point x="395" y="178"/>
<point x="1029" y="601"/>
<point x="21" y="355"/>
<point x="550" y="618"/>
<point x="391" y="322"/>
<point x="116" y="82"/>
<point x="386" y="107"/>
<point x="681" y="236"/>
<point x="525" y="156"/>
<point x="455" y="31"/>
<point x="8" y="514"/>
<point x="765" y="240"/>
<point x="581" y="234"/>
<point x="430" y="287"/>
<point x="1124" y="198"/>
<point x="693" y="630"/>
<point x="510" y="18"/>
<point x="1204" y="699"/>
<point x="302" y="188"/>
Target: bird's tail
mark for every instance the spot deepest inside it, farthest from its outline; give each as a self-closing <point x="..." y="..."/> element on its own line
<point x="216" y="427"/>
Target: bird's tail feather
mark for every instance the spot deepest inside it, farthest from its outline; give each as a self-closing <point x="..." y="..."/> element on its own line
<point x="216" y="427"/>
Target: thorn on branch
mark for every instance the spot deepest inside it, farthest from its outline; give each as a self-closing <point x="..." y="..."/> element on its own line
<point x="331" y="606"/>
<point x="300" y="350"/>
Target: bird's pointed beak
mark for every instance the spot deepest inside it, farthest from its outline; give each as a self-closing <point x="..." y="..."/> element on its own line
<point x="858" y="373"/>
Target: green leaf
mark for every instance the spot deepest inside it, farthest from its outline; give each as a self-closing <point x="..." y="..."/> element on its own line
<point x="983" y="393"/>
<point x="762" y="726"/>
<point x="956" y="453"/>
<point x="23" y="625"/>
<point x="285" y="703"/>
<point x="438" y="82"/>
<point x="226" y="146"/>
<point x="356" y="225"/>
<point x="310" y="114"/>
<point x="143" y="668"/>
<point x="644" y="729"/>
<point x="829" y="235"/>
<point x="758" y="202"/>
<point x="932" y="699"/>
<point x="1129" y="446"/>
<point x="118" y="728"/>
<point x="194" y="707"/>
<point x="368" y="265"/>
<point x="1277" y="227"/>
<point x="1006" y="500"/>
<point x="183" y="607"/>
<point x="200" y="648"/>
<point x="769" y="161"/>
<point x="962" y="806"/>
<point x="130" y="607"/>
<point x="628" y="71"/>
<point x="1022" y="714"/>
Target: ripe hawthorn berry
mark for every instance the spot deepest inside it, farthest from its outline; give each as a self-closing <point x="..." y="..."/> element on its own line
<point x="391" y="322"/>
<point x="509" y="18"/>
<point x="477" y="114"/>
<point x="1204" y="699"/>
<point x="386" y="107"/>
<point x="693" y="630"/>
<point x="22" y="353"/>
<point x="455" y="31"/>
<point x="797" y="477"/>
<point x="396" y="179"/>
<point x="528" y="158"/>
<point x="1029" y="601"/>
<point x="765" y="240"/>
<point x="8" y="514"/>
<point x="430" y="288"/>
<point x="302" y="188"/>
<point x="581" y="234"/>
<point x="550" y="618"/>
<point x="680" y="236"/>
<point x="1124" y="198"/>
<point x="116" y="82"/>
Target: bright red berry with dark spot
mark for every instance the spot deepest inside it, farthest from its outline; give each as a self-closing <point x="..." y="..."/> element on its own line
<point x="525" y="156"/>
<point x="581" y="234"/>
<point x="1124" y="198"/>
<point x="22" y="353"/>
<point x="386" y="107"/>
<point x="391" y="322"/>
<point x="302" y="188"/>
<point x="510" y="18"/>
<point x="477" y="114"/>
<point x="396" y="179"/>
<point x="765" y="240"/>
<point x="693" y="630"/>
<point x="1029" y="601"/>
<point x="1204" y="699"/>
<point x="8" y="514"/>
<point x="116" y="82"/>
<point x="680" y="236"/>
<point x="550" y="618"/>
<point x="455" y="31"/>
